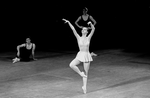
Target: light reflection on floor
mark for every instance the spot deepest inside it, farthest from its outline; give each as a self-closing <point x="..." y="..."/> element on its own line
<point x="111" y="75"/>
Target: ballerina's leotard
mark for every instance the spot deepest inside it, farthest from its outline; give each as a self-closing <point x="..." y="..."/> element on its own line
<point x="84" y="55"/>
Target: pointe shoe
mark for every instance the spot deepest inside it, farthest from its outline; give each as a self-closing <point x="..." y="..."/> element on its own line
<point x="83" y="75"/>
<point x="16" y="60"/>
<point x="84" y="89"/>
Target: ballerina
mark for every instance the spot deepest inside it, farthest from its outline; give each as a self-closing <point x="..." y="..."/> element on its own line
<point x="83" y="56"/>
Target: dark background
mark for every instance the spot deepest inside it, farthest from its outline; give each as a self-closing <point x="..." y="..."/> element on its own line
<point x="120" y="24"/>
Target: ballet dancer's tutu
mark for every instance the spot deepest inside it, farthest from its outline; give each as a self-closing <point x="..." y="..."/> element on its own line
<point x="84" y="56"/>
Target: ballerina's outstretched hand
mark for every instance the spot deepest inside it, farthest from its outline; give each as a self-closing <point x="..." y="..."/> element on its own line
<point x="66" y="21"/>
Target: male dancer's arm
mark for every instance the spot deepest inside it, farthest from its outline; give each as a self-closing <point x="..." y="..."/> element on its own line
<point x="18" y="49"/>
<point x="76" y="22"/>
<point x="33" y="51"/>
<point x="93" y="20"/>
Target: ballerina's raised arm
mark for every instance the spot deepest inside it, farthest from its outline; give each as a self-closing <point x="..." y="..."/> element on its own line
<point x="72" y="27"/>
<point x="92" y="31"/>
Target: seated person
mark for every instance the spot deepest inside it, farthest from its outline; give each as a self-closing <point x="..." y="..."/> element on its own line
<point x="25" y="52"/>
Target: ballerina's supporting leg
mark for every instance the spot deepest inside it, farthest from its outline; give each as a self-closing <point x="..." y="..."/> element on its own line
<point x="84" y="85"/>
<point x="86" y="68"/>
<point x="74" y="64"/>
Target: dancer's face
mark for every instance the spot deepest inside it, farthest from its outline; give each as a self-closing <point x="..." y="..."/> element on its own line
<point x="85" y="10"/>
<point x="28" y="40"/>
<point x="84" y="30"/>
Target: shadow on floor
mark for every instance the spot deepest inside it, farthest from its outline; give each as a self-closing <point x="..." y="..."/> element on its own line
<point x="131" y="81"/>
<point x="7" y="57"/>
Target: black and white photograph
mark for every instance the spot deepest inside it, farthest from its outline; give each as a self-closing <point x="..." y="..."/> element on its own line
<point x="75" y="49"/>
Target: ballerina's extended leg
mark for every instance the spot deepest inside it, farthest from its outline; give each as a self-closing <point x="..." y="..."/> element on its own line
<point x="74" y="64"/>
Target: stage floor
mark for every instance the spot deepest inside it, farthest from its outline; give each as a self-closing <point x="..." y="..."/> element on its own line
<point x="112" y="74"/>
